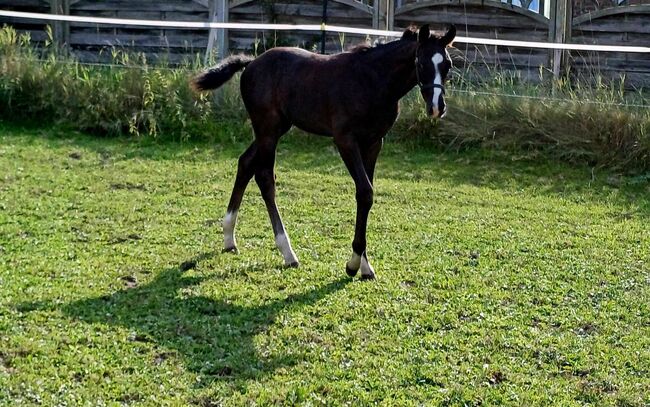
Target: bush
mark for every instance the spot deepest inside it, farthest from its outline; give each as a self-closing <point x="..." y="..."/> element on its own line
<point x="127" y="97"/>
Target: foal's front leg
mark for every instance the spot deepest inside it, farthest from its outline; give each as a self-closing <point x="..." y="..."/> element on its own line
<point x="352" y="157"/>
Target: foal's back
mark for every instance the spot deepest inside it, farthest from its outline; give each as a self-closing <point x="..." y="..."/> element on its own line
<point x="311" y="91"/>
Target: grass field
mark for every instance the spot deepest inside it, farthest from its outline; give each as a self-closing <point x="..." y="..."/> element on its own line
<point x="500" y="280"/>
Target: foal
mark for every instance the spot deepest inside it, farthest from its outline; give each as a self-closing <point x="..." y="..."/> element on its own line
<point x="352" y="97"/>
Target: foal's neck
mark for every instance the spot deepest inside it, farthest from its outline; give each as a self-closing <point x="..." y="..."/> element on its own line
<point x="397" y="67"/>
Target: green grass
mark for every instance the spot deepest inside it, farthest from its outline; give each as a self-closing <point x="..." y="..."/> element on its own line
<point x="500" y="280"/>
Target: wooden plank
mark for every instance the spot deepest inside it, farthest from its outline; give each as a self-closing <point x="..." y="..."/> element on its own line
<point x="23" y="4"/>
<point x="594" y="15"/>
<point x="464" y="18"/>
<point x="303" y="11"/>
<point x="640" y="27"/>
<point x="617" y="38"/>
<point x="143" y="15"/>
<point x="139" y="40"/>
<point x="112" y="5"/>
<point x="433" y="4"/>
<point x="359" y="5"/>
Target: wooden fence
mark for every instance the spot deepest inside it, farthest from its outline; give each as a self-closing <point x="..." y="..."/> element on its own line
<point x="533" y="20"/>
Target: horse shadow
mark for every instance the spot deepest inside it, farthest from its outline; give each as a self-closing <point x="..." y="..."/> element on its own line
<point x="213" y="336"/>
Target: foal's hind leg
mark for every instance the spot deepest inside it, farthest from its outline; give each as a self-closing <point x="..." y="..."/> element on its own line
<point x="358" y="261"/>
<point x="245" y="171"/>
<point x="267" y="141"/>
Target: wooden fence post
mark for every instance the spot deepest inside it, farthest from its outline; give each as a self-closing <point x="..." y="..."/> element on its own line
<point x="60" y="29"/>
<point x="560" y="32"/>
<point x="375" y="14"/>
<point x="217" y="12"/>
<point x="323" y="34"/>
<point x="384" y="14"/>
<point x="390" y="14"/>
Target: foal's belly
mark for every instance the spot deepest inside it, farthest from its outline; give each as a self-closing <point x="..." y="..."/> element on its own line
<point x="316" y="128"/>
<point x="330" y="119"/>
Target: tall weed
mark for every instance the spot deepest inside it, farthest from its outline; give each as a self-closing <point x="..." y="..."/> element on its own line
<point x="126" y="97"/>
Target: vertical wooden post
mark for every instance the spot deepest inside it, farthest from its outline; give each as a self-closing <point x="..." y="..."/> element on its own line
<point x="217" y="12"/>
<point x="386" y="14"/>
<point x="375" y="14"/>
<point x="560" y="32"/>
<point x="323" y="34"/>
<point x="222" y="34"/>
<point x="60" y="29"/>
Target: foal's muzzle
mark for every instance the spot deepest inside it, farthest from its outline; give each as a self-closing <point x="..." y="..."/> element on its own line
<point x="436" y="113"/>
<point x="440" y="109"/>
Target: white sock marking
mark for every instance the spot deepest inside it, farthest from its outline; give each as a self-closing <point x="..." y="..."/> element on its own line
<point x="355" y="262"/>
<point x="228" y="224"/>
<point x="366" y="268"/>
<point x="284" y="244"/>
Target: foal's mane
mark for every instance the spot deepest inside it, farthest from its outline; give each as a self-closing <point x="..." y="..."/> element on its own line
<point x="410" y="34"/>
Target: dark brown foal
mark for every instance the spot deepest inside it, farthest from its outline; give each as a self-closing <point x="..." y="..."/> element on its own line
<point x="352" y="97"/>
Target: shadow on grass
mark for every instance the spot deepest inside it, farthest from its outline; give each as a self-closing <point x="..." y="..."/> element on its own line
<point x="214" y="337"/>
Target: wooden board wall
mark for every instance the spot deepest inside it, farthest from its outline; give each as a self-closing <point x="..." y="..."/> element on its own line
<point x="484" y="20"/>
<point x="87" y="40"/>
<point x="297" y="12"/>
<point x="35" y="29"/>
<point x="626" y="25"/>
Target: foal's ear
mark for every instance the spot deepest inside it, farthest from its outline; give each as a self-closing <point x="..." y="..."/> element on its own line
<point x="423" y="34"/>
<point x="449" y="37"/>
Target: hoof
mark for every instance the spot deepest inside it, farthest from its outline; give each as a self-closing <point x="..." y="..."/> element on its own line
<point x="367" y="277"/>
<point x="292" y="265"/>
<point x="350" y="272"/>
<point x="232" y="249"/>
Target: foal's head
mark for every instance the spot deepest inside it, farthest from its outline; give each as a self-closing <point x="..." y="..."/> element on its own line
<point x="432" y="64"/>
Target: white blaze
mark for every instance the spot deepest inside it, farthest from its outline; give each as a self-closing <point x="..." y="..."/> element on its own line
<point x="437" y="60"/>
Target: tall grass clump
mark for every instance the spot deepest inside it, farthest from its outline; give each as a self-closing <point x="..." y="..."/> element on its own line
<point x="128" y="96"/>
<point x="598" y="122"/>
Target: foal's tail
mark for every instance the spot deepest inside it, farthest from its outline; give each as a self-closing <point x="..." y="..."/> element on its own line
<point x="217" y="76"/>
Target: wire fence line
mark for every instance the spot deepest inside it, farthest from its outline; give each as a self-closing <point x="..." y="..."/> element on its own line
<point x="547" y="98"/>
<point x="314" y="27"/>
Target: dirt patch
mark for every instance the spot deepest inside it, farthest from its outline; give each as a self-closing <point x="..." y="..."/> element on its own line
<point x="130" y="281"/>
